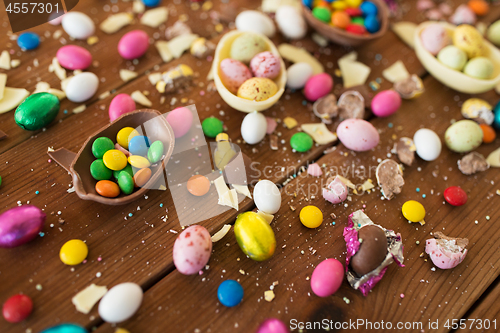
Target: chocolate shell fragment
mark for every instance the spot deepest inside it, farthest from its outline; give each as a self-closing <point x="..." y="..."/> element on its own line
<point x="405" y="148"/>
<point x="390" y="178"/>
<point x="446" y="252"/>
<point x="472" y="163"/>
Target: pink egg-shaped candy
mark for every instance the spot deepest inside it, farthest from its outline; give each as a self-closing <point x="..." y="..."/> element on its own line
<point x="54" y="19"/>
<point x="272" y="325"/>
<point x="192" y="250"/>
<point x="441" y="256"/>
<point x="265" y="64"/>
<point x="73" y="57"/>
<point x="233" y="74"/>
<point x="120" y="104"/>
<point x="386" y="103"/>
<point x="181" y="120"/>
<point x="434" y="37"/>
<point x="20" y="225"/>
<point x="133" y="44"/>
<point x="271" y="125"/>
<point x="358" y="134"/>
<point x="327" y="277"/>
<point x="318" y="86"/>
<point x="336" y="192"/>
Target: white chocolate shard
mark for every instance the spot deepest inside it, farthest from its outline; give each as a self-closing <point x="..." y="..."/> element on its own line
<point x="88" y="297"/>
<point x="12" y="97"/>
<point x="155" y="17"/>
<point x="139" y="97"/>
<point x="295" y="54"/>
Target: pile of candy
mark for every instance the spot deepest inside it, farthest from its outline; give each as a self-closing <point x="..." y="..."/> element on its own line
<point x="355" y="16"/>
<point x="463" y="51"/>
<point x="111" y="161"/>
<point x="257" y="82"/>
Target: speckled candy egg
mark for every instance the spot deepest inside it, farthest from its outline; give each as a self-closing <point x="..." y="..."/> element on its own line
<point x="463" y="136"/>
<point x="452" y="57"/>
<point x="428" y="144"/>
<point x="469" y="40"/>
<point x="257" y="89"/>
<point x="479" y="68"/>
<point x="434" y="37"/>
<point x="192" y="250"/>
<point x="233" y="74"/>
<point x="20" y="225"/>
<point x="318" y="86"/>
<point x="298" y="74"/>
<point x="385" y="103"/>
<point x="265" y="64"/>
<point x="246" y="46"/>
<point x="358" y="134"/>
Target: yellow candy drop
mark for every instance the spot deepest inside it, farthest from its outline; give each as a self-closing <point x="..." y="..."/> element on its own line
<point x="413" y="211"/>
<point x="339" y="5"/>
<point x="73" y="252"/>
<point x="311" y="216"/>
<point x="353" y="3"/>
<point x="124" y="135"/>
<point x="114" y="159"/>
<point x="138" y="161"/>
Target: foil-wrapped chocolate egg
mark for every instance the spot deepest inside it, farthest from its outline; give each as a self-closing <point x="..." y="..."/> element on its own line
<point x="372" y="250"/>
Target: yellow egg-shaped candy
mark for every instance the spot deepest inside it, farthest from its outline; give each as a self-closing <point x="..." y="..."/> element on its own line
<point x="114" y="159"/>
<point x="254" y="236"/>
<point x="138" y="161"/>
<point x="124" y="135"/>
<point x="469" y="40"/>
<point x="73" y="252"/>
<point x="413" y="211"/>
<point x="257" y="89"/>
<point x="311" y="216"/>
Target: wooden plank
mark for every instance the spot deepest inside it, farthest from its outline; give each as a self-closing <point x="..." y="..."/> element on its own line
<point x="486" y="315"/>
<point x="189" y="303"/>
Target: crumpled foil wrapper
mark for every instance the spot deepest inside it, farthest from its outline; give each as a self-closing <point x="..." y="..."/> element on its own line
<point x="395" y="247"/>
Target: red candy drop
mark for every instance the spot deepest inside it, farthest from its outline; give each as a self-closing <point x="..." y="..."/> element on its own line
<point x="353" y="12"/>
<point x="455" y="196"/>
<point x="17" y="308"/>
<point x="356" y="29"/>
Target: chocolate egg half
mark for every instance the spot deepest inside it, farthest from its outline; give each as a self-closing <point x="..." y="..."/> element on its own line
<point x="372" y="250"/>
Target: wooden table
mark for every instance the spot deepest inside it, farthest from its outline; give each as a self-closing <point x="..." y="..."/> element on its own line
<point x="138" y="248"/>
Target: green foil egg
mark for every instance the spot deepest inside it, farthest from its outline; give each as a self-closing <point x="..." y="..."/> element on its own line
<point x="463" y="136"/>
<point x="254" y="236"/>
<point x="37" y="111"/>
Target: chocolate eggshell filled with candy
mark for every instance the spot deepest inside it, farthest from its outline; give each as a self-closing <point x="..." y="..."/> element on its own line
<point x="370" y="249"/>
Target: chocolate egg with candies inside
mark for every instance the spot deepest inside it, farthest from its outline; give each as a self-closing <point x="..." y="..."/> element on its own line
<point x="192" y="250"/>
<point x="254" y="236"/>
<point x="20" y="225"/>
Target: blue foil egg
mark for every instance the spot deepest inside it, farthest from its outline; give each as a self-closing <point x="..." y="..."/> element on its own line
<point x="138" y="145"/>
<point x="66" y="328"/>
<point x="496" y="120"/>
<point x="230" y="293"/>
<point x="28" y="41"/>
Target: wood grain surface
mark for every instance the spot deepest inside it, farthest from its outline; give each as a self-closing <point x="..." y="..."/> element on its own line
<point x="134" y="242"/>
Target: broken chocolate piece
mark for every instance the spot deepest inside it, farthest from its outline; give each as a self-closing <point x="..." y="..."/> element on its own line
<point x="472" y="163"/>
<point x="410" y="87"/>
<point x="326" y="108"/>
<point x="446" y="252"/>
<point x="405" y="148"/>
<point x="63" y="157"/>
<point x="478" y="110"/>
<point x="179" y="28"/>
<point x="372" y="250"/>
<point x="177" y="78"/>
<point x="390" y="178"/>
<point x="351" y="105"/>
<point x="273" y="141"/>
<point x="356" y="239"/>
<point x="2" y="135"/>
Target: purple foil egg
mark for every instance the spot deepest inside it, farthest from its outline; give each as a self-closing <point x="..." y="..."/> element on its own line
<point x="20" y="225"/>
<point x="272" y="325"/>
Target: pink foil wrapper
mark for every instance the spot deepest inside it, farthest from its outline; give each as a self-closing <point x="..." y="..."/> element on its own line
<point x="395" y="247"/>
